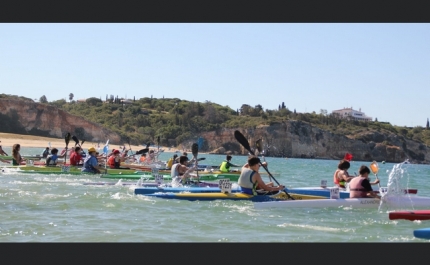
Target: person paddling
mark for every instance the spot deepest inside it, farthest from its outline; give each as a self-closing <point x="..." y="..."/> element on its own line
<point x="341" y="175"/>
<point x="250" y="180"/>
<point x="52" y="159"/>
<point x="17" y="159"/>
<point x="115" y="160"/>
<point x="226" y="164"/>
<point x="45" y="152"/>
<point x="91" y="164"/>
<point x="2" y="152"/>
<point x="360" y="187"/>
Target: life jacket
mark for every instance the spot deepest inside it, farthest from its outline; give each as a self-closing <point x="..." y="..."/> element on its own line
<point x="112" y="163"/>
<point x="356" y="189"/>
<point x="87" y="166"/>
<point x="51" y="160"/>
<point x="224" y="167"/>
<point x="142" y="159"/>
<point x="340" y="183"/>
<point x="245" y="181"/>
<point x="169" y="163"/>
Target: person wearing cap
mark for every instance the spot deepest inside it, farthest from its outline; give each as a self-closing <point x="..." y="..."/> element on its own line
<point x="76" y="158"/>
<point x="250" y="180"/>
<point x="115" y="160"/>
<point x="91" y="165"/>
<point x="226" y="164"/>
<point x="51" y="160"/>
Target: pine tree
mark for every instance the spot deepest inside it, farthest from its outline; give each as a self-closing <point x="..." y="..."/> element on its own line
<point x="427" y="126"/>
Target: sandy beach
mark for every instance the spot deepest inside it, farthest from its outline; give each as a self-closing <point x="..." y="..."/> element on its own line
<point x="9" y="139"/>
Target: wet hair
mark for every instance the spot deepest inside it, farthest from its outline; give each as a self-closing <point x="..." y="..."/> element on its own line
<point x="77" y="148"/>
<point x="343" y="164"/>
<point x="363" y="170"/>
<point x="54" y="151"/>
<point x="229" y="157"/>
<point x="175" y="156"/>
<point x="185" y="154"/>
<point x="253" y="160"/>
<point x="183" y="159"/>
<point x="15" y="148"/>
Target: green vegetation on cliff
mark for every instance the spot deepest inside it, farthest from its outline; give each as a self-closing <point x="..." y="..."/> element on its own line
<point x="177" y="121"/>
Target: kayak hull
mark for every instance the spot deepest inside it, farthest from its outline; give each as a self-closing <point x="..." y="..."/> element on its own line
<point x="423" y="233"/>
<point x="410" y="215"/>
<point x="211" y="196"/>
<point x="319" y="191"/>
<point x="401" y="201"/>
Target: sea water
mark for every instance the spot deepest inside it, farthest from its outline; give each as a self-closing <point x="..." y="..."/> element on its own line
<point x="59" y="208"/>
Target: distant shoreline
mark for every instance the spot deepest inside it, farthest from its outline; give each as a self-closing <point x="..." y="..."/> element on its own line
<point x="9" y="139"/>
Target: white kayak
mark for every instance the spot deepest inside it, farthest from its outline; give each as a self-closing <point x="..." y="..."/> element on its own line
<point x="405" y="201"/>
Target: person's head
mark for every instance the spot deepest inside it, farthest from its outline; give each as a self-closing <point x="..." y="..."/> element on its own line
<point x="16" y="147"/>
<point x="47" y="148"/>
<point x="184" y="154"/>
<point x="116" y="152"/>
<point x="254" y="162"/>
<point x="364" y="171"/>
<point x="77" y="149"/>
<point x="91" y="150"/>
<point x="343" y="164"/>
<point x="183" y="159"/>
<point x="54" y="151"/>
<point x="175" y="156"/>
<point x="151" y="151"/>
<point x="229" y="157"/>
<point x="97" y="153"/>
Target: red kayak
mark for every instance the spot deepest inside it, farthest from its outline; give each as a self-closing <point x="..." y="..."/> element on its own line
<point x="410" y="215"/>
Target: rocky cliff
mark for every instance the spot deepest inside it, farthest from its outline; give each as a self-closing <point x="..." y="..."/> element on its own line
<point x="27" y="117"/>
<point x="301" y="140"/>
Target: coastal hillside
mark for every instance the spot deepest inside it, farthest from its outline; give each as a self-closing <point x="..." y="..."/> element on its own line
<point x="178" y="123"/>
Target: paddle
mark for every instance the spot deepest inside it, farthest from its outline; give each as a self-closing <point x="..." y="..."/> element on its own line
<point x="67" y="139"/>
<point x="242" y="140"/>
<point x="195" y="151"/>
<point x="76" y="141"/>
<point x="158" y="144"/>
<point x="259" y="145"/>
<point x="375" y="169"/>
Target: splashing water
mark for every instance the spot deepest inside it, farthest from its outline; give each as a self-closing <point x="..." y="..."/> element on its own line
<point x="397" y="184"/>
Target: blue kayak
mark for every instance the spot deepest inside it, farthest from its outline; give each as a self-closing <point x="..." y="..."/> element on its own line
<point x="151" y="190"/>
<point x="423" y="233"/>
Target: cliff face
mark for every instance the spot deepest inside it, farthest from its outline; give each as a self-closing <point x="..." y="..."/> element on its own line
<point x="301" y="140"/>
<point x="18" y="116"/>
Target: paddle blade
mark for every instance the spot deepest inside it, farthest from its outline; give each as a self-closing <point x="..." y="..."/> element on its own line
<point x="195" y="149"/>
<point x="242" y="140"/>
<point x="374" y="167"/>
<point x="147" y="145"/>
<point x="348" y="157"/>
<point x="200" y="159"/>
<point x="82" y="142"/>
<point x="158" y="140"/>
<point x="141" y="151"/>
<point x="67" y="139"/>
<point x="75" y="139"/>
<point x="259" y="145"/>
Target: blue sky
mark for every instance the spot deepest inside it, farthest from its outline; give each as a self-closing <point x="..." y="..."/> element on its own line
<point x="384" y="69"/>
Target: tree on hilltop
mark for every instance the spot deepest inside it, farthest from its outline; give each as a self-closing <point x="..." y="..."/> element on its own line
<point x="43" y="99"/>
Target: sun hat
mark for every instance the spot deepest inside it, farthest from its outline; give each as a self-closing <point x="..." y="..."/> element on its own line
<point x="91" y="149"/>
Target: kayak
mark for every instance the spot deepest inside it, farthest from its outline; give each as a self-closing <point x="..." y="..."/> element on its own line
<point x="410" y="215"/>
<point x="9" y="158"/>
<point x="319" y="191"/>
<point x="423" y="233"/>
<point x="121" y="173"/>
<point x="210" y="196"/>
<point x="394" y="201"/>
<point x="201" y="189"/>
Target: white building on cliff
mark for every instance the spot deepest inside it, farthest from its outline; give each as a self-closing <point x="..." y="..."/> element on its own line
<point x="349" y="113"/>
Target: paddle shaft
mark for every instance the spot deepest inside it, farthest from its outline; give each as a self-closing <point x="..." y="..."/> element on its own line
<point x="242" y="140"/>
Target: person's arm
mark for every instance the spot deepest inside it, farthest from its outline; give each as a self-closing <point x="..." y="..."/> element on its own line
<point x="345" y="176"/>
<point x="262" y="185"/>
<point x="374" y="182"/>
<point x="366" y="185"/>
<point x="232" y="165"/>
